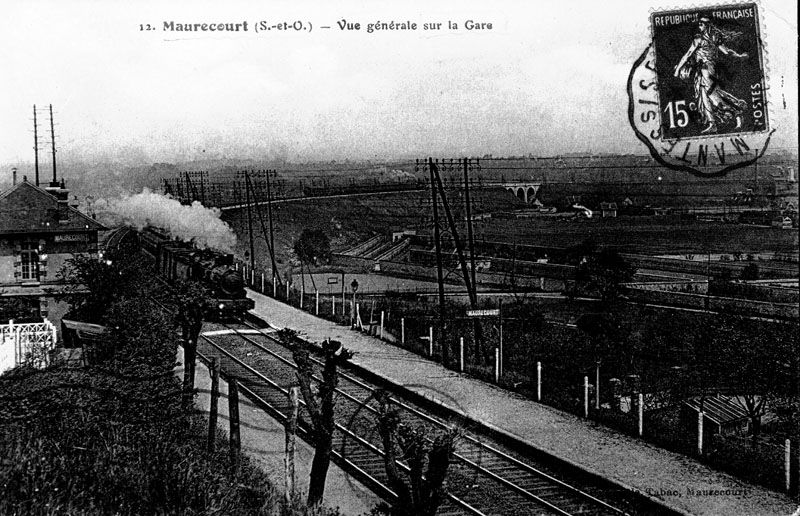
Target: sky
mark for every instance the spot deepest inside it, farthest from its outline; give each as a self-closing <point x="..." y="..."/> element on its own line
<point x="548" y="78"/>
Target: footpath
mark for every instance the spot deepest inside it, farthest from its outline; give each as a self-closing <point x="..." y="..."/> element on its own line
<point x="679" y="482"/>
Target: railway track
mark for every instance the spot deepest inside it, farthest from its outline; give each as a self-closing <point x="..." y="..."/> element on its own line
<point x="485" y="478"/>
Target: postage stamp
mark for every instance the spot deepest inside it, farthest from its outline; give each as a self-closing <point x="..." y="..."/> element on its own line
<point x="709" y="71"/>
<point x="698" y="94"/>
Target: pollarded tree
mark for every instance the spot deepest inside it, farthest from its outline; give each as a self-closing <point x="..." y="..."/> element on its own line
<point x="320" y="402"/>
<point x="421" y="490"/>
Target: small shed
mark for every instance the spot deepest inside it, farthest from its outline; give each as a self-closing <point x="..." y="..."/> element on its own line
<point x="723" y="414"/>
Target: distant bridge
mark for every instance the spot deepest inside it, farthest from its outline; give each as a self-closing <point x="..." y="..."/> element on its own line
<point x="524" y="190"/>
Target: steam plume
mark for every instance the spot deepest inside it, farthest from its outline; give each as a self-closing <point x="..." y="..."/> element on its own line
<point x="194" y="223"/>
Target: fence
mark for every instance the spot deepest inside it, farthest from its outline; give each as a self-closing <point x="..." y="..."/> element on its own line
<point x="507" y="357"/>
<point x="26" y="344"/>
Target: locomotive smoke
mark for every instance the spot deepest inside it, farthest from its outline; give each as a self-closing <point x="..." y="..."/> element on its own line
<point x="188" y="223"/>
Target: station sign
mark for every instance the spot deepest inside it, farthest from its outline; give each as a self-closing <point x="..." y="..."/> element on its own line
<point x="493" y="312"/>
<point x="333" y="281"/>
<point x="71" y="237"/>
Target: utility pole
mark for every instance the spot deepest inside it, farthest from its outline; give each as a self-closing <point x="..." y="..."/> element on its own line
<point x="249" y="220"/>
<point x="263" y="229"/>
<point x="271" y="230"/>
<point x="36" y="144"/>
<point x="470" y="237"/>
<point x="473" y="299"/>
<point x="439" y="276"/>
<point x="53" y="141"/>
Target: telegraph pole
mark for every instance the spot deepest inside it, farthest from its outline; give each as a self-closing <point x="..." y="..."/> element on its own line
<point x="249" y="220"/>
<point x="36" y="144"/>
<point x="263" y="228"/>
<point x="439" y="276"/>
<point x="469" y="222"/>
<point x="53" y="141"/>
<point x="271" y="231"/>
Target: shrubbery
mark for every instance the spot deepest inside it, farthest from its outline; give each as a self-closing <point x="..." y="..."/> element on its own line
<point x="114" y="437"/>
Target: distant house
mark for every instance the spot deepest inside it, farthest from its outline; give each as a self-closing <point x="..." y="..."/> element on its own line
<point x="608" y="209"/>
<point x="39" y="232"/>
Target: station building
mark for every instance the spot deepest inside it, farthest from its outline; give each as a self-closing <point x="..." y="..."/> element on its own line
<point x="39" y="232"/>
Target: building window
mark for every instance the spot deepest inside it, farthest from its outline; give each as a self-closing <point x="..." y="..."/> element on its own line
<point x="30" y="261"/>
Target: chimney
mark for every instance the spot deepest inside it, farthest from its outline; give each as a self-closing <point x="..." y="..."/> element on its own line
<point x="13" y="176"/>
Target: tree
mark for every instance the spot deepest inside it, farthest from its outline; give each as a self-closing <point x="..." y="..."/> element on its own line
<point x="603" y="272"/>
<point x="192" y="300"/>
<point x="96" y="284"/>
<point x="313" y="246"/>
<point x="20" y="309"/>
<point x="320" y="403"/>
<point x="755" y="365"/>
<point x="428" y="461"/>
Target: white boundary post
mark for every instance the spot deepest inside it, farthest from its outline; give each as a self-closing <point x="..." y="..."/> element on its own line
<point x="538" y="381"/>
<point x="316" y="302"/>
<point x="641" y="414"/>
<point x="402" y="330"/>
<point x="333" y="304"/>
<point x="496" y="365"/>
<point x="382" y="313"/>
<point x="461" y="354"/>
<point x="585" y="396"/>
<point x="430" y="341"/>
<point x="274" y="287"/>
<point x="700" y="416"/>
<point x="788" y="464"/>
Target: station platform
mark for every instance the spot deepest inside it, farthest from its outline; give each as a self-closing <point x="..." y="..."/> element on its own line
<point x="680" y="482"/>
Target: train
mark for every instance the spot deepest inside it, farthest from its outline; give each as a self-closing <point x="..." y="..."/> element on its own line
<point x="180" y="261"/>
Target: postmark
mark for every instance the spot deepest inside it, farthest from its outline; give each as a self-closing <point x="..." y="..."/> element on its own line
<point x="698" y="93"/>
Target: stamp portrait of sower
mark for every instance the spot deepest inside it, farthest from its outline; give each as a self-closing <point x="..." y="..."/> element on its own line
<point x="715" y="106"/>
<point x="710" y="75"/>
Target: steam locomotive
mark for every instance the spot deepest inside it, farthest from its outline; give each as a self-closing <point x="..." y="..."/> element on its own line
<point x="177" y="261"/>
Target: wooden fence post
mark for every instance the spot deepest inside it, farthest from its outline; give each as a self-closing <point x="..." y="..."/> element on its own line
<point x="291" y="432"/>
<point x="597" y="388"/>
<point x="213" y="409"/>
<point x="233" y="413"/>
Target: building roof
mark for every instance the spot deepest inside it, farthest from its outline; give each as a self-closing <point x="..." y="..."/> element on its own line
<point x="26" y="208"/>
